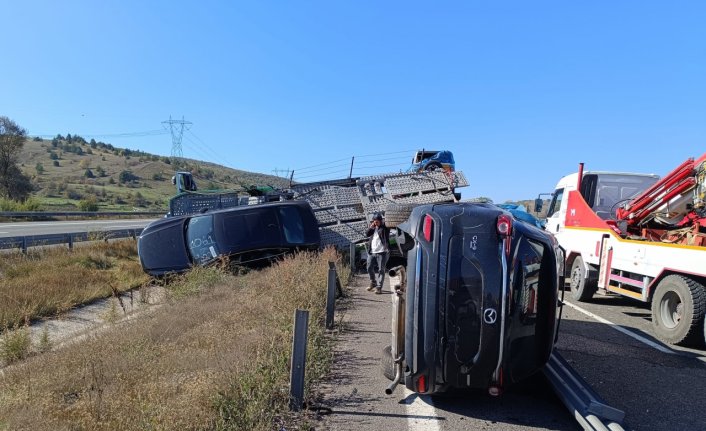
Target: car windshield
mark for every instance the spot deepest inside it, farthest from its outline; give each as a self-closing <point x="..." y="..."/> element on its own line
<point x="201" y="239"/>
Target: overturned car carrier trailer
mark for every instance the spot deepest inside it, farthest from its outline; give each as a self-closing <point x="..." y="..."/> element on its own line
<point x="342" y="207"/>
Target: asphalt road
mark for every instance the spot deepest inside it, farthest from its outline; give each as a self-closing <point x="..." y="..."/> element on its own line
<point x="56" y="227"/>
<point x="659" y="387"/>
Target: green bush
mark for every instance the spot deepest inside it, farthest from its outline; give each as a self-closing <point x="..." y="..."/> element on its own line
<point x="89" y="204"/>
<point x="30" y="204"/>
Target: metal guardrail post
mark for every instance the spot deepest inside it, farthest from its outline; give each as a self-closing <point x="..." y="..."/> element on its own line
<point x="339" y="287"/>
<point x="70" y="241"/>
<point x="296" y="374"/>
<point x="24" y="245"/>
<point x="330" y="295"/>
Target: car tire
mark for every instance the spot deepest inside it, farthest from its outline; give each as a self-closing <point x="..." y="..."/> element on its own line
<point x="395" y="214"/>
<point x="433" y="166"/>
<point x="387" y="364"/>
<point x="582" y="289"/>
<point x="678" y="308"/>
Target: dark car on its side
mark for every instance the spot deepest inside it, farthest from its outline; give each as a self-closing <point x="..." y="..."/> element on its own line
<point x="248" y="235"/>
<point x="479" y="305"/>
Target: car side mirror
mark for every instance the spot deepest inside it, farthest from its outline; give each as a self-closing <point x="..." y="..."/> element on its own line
<point x="538" y="203"/>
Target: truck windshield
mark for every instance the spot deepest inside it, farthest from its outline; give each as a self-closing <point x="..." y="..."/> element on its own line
<point x="606" y="192"/>
<point x="555" y="204"/>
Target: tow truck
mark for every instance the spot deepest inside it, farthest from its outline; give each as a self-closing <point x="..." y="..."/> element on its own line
<point x="638" y="236"/>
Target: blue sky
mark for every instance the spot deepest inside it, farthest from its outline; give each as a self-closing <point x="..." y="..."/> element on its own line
<point x="520" y="91"/>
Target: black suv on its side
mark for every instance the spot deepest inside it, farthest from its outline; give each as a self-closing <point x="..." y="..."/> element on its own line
<point x="249" y="235"/>
<point x="480" y="307"/>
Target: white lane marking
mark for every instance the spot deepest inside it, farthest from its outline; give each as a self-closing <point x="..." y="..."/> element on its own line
<point x="421" y="415"/>
<point x="640" y="338"/>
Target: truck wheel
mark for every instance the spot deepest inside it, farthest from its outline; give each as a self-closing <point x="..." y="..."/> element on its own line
<point x="582" y="289"/>
<point x="397" y="213"/>
<point x="678" y="308"/>
<point x="388" y="363"/>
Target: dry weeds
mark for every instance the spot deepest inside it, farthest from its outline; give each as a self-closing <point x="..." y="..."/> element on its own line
<point x="215" y="357"/>
<point x="46" y="282"/>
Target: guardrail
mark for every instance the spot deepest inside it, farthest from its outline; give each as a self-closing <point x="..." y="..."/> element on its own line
<point x="24" y="242"/>
<point x="588" y="408"/>
<point x="67" y="214"/>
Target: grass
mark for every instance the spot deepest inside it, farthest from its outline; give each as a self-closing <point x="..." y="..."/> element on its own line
<point x="214" y="357"/>
<point x="47" y="282"/>
<point x="15" y="345"/>
<point x="58" y="187"/>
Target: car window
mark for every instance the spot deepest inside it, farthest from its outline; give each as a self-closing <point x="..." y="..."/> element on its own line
<point x="201" y="240"/>
<point x="292" y="225"/>
<point x="250" y="228"/>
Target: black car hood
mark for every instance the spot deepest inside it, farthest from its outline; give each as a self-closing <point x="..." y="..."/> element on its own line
<point x="164" y="250"/>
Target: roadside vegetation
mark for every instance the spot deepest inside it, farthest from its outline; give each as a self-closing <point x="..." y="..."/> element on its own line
<point x="215" y="356"/>
<point x="46" y="282"/>
<point x="69" y="173"/>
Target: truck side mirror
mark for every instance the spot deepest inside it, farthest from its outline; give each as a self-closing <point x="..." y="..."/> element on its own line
<point x="538" y="203"/>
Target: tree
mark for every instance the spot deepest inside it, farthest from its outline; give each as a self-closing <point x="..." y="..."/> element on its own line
<point x="40" y="168"/>
<point x="13" y="183"/>
<point x="127" y="177"/>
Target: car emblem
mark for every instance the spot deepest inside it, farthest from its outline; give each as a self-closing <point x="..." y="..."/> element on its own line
<point x="490" y="315"/>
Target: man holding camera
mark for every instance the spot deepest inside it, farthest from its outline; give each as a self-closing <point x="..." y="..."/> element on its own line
<point x="378" y="252"/>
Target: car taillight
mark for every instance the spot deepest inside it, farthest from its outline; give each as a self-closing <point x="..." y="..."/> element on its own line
<point x="504" y="228"/>
<point x="421" y="384"/>
<point x="504" y="225"/>
<point x="428" y="228"/>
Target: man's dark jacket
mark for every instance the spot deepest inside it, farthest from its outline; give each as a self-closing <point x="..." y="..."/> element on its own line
<point x="384" y="232"/>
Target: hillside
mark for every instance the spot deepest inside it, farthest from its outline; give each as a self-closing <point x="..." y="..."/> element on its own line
<point x="69" y="173"/>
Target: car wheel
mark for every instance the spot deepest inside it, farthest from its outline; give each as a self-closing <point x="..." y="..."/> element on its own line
<point x="678" y="308"/>
<point x="582" y="289"/>
<point x="433" y="166"/>
<point x="397" y="213"/>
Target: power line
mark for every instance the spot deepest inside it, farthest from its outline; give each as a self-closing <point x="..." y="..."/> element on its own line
<point x="378" y="166"/>
<point x="214" y="153"/>
<point x="386" y="154"/>
<point x="323" y="169"/>
<point x="320" y="164"/>
<point x="356" y="157"/>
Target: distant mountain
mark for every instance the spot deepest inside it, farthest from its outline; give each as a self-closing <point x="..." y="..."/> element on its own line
<point x="70" y="173"/>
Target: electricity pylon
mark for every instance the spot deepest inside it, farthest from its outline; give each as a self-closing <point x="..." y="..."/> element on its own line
<point x="177" y="127"/>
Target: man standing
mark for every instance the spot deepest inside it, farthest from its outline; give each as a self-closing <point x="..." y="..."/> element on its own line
<point x="378" y="252"/>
